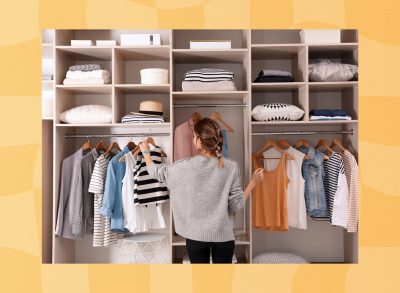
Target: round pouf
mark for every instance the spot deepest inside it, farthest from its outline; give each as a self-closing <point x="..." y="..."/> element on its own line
<point x="278" y="258"/>
<point x="143" y="249"/>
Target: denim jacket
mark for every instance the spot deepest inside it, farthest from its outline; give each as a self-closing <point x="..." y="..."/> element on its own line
<point x="313" y="172"/>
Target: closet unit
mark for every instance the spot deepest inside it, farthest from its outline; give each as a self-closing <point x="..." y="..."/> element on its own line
<point x="252" y="51"/>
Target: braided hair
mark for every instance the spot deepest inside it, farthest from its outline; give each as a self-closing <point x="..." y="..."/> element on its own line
<point x="211" y="139"/>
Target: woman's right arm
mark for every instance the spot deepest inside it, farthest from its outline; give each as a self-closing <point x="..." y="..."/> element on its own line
<point x="257" y="177"/>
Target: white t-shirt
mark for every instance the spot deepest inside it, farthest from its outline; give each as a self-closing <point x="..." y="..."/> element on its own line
<point x="138" y="218"/>
<point x="297" y="216"/>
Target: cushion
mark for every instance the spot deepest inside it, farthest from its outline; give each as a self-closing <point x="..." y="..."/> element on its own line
<point x="88" y="114"/>
<point x="277" y="112"/>
<point x="278" y="258"/>
<point x="326" y="70"/>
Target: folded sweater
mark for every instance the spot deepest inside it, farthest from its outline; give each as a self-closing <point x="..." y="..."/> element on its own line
<point x="328" y="112"/>
<point x="88" y="74"/>
<point x="69" y="81"/>
<point x="198" y="86"/>
<point x="85" y="67"/>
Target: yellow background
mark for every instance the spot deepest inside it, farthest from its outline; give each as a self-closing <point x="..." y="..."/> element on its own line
<point x="20" y="155"/>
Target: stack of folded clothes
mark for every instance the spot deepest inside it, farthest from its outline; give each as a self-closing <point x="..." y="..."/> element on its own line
<point x="150" y="112"/>
<point x="270" y="75"/>
<point x="208" y="79"/>
<point x="327" y="114"/>
<point x="87" y="74"/>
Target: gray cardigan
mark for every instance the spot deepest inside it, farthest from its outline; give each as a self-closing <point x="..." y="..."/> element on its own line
<point x="204" y="196"/>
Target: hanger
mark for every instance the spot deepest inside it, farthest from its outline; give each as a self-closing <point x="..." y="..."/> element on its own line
<point x="87" y="145"/>
<point x="100" y="146"/>
<point x="270" y="143"/>
<point x="115" y="146"/>
<point x="149" y="140"/>
<point x="302" y="142"/>
<point x="323" y="143"/>
<point x="196" y="116"/>
<point x="283" y="143"/>
<point x="217" y="116"/>
<point x="337" y="142"/>
<point x="131" y="145"/>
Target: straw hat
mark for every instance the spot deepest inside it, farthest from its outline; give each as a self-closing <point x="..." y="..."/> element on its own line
<point x="151" y="107"/>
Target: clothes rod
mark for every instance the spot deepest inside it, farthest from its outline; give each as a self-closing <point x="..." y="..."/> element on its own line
<point x="208" y="105"/>
<point x="304" y="132"/>
<point x="114" y="135"/>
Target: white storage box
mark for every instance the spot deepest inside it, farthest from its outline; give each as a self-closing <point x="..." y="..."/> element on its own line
<point x="140" y="39"/>
<point x="320" y="36"/>
<point x="81" y="43"/>
<point x="106" y="43"/>
<point x="154" y="76"/>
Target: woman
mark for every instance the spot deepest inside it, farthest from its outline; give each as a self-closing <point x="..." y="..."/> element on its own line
<point x="205" y="192"/>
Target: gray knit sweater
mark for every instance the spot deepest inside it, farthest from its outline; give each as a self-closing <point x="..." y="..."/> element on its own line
<point x="204" y="196"/>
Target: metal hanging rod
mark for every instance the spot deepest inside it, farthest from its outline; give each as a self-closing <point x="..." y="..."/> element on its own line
<point x="304" y="132"/>
<point x="208" y="105"/>
<point x="115" y="135"/>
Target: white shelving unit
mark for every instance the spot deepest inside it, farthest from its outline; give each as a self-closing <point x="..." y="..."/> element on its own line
<point x="252" y="51"/>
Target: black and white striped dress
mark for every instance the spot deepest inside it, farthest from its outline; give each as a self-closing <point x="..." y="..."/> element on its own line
<point x="148" y="190"/>
<point x="102" y="234"/>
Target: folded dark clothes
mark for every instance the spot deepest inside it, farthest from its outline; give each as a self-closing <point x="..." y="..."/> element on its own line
<point x="273" y="72"/>
<point x="328" y="112"/>
<point x="274" y="79"/>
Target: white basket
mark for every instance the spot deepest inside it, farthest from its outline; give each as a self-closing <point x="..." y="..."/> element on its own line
<point x="320" y="36"/>
<point x="154" y="76"/>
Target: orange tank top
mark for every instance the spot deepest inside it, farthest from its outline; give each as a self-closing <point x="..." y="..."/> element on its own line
<point x="270" y="198"/>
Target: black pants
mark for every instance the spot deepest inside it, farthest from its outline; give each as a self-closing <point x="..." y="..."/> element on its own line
<point x="199" y="251"/>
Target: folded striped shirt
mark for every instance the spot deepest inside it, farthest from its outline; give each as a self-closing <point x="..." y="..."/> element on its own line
<point x="148" y="190"/>
<point x="330" y="117"/>
<point x="208" y="75"/>
<point x="130" y="118"/>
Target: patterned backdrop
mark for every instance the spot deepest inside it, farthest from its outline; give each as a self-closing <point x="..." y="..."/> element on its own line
<point x="20" y="149"/>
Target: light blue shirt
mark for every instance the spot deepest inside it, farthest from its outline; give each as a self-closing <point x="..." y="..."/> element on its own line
<point x="225" y="149"/>
<point x="112" y="199"/>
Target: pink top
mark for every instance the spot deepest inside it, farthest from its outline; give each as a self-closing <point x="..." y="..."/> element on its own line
<point x="183" y="141"/>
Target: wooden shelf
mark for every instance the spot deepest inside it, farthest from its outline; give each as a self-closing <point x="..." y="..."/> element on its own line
<point x="209" y="56"/>
<point x="262" y="87"/>
<point x="164" y="126"/>
<point x="87" y="52"/>
<point x="143" y="88"/>
<point x="311" y="123"/>
<point x="87" y="89"/>
<point x="229" y="95"/>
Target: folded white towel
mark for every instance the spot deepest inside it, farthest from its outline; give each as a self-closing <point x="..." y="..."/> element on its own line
<point x="69" y="81"/>
<point x="88" y="74"/>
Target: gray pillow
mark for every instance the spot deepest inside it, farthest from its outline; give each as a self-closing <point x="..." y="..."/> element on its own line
<point x="276" y="112"/>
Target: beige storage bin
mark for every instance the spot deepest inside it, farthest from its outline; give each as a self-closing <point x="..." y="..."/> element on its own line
<point x="154" y="76"/>
<point x="320" y="36"/>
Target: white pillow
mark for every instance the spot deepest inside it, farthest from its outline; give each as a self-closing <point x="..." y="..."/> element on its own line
<point x="278" y="258"/>
<point x="88" y="114"/>
<point x="326" y="70"/>
<point x="276" y="112"/>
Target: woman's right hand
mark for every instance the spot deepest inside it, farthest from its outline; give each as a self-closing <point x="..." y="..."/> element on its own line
<point x="258" y="175"/>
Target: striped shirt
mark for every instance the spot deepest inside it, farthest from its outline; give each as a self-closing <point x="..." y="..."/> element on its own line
<point x="208" y="75"/>
<point x="351" y="171"/>
<point x="147" y="189"/>
<point x="102" y="234"/>
<point x="336" y="190"/>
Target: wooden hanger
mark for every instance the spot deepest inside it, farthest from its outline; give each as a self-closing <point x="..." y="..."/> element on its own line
<point x="338" y="143"/>
<point x="196" y="116"/>
<point x="302" y="142"/>
<point x="283" y="143"/>
<point x="149" y="140"/>
<point x="323" y="143"/>
<point x="100" y="146"/>
<point x="131" y="145"/>
<point x="217" y="116"/>
<point x="87" y="145"/>
<point x="113" y="146"/>
<point x="270" y="143"/>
